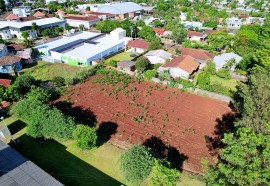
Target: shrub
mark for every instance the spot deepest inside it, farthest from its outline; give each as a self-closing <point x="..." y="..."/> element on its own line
<point x="142" y="64"/>
<point x="2" y="92"/>
<point x="112" y="63"/>
<point x="184" y="82"/>
<point x="149" y="74"/>
<point x="38" y="94"/>
<point x="43" y="121"/>
<point x="137" y="163"/>
<point x="157" y="65"/>
<point x="164" y="174"/>
<point x="58" y="81"/>
<point x="224" y="73"/>
<point x="13" y="93"/>
<point x="219" y="88"/>
<point x="211" y="68"/>
<point x="85" y="137"/>
<point x="203" y="80"/>
<point x="165" y="75"/>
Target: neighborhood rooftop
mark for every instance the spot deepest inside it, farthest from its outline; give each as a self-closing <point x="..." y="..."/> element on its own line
<point x="120" y="8"/>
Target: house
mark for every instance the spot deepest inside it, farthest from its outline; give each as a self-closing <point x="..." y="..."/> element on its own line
<point x="83" y="48"/>
<point x="158" y="56"/>
<point x="5" y="82"/>
<point x="22" y="11"/>
<point x="138" y="45"/>
<point x="192" y="24"/>
<point x="39" y="14"/>
<point x="196" y="36"/>
<point x="222" y="59"/>
<point x="159" y="31"/>
<point x="12" y="17"/>
<point x="101" y="15"/>
<point x="182" y="66"/>
<point x="61" y="14"/>
<point x="3" y="50"/>
<point x="183" y="16"/>
<point x="234" y="22"/>
<point x="14" y="28"/>
<point x="77" y="20"/>
<point x="123" y="10"/>
<point x="126" y="66"/>
<point x="201" y="56"/>
<point x="9" y="64"/>
<point x="14" y="48"/>
<point x="25" y="55"/>
<point x="17" y="170"/>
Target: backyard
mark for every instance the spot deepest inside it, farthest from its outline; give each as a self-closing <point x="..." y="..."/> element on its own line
<point x="71" y="166"/>
<point x="46" y="71"/>
<point x="121" y="56"/>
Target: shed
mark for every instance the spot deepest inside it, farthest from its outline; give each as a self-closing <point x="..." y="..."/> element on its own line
<point x="126" y="66"/>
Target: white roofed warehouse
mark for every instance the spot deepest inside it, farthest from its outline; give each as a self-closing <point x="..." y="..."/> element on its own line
<point x="122" y="10"/>
<point x="85" y="47"/>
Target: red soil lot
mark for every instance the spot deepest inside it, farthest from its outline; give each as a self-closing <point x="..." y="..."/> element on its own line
<point x="180" y="119"/>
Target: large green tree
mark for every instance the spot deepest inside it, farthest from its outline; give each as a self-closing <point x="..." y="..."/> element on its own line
<point x="147" y="33"/>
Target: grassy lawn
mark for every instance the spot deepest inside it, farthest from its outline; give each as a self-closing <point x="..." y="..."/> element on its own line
<point x="46" y="71"/>
<point x="227" y="83"/>
<point x="71" y="166"/>
<point x="121" y="56"/>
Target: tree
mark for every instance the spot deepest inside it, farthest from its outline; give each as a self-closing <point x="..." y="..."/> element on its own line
<point x="149" y="74"/>
<point x="245" y="160"/>
<point x="179" y="34"/>
<point x="25" y="35"/>
<point x="68" y="27"/>
<point x="2" y="5"/>
<point x="142" y="64"/>
<point x="164" y="174"/>
<point x="85" y="137"/>
<point x="252" y="99"/>
<point x="203" y="80"/>
<point x="136" y="163"/>
<point x="157" y="23"/>
<point x="81" y="27"/>
<point x="155" y="45"/>
<point x="2" y="92"/>
<point x="58" y="30"/>
<point x="224" y="73"/>
<point x="140" y="23"/>
<point x="147" y="33"/>
<point x="35" y="27"/>
<point x="38" y="94"/>
<point x="220" y="40"/>
<point x="112" y="63"/>
<point x="88" y="8"/>
<point x="210" y="24"/>
<point x="210" y="68"/>
<point x="46" y="32"/>
<point x="44" y="121"/>
<point x="29" y="43"/>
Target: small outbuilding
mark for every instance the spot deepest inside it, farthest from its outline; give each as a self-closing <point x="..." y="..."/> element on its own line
<point x="223" y="59"/>
<point x="126" y="66"/>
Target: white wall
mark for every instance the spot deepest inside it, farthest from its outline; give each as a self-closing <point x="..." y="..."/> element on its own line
<point x="177" y="72"/>
<point x="195" y="38"/>
<point x="155" y="59"/>
<point x="77" y="23"/>
<point x="137" y="50"/>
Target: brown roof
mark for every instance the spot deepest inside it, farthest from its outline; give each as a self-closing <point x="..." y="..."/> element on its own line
<point x="39" y="14"/>
<point x="159" y="31"/>
<point x="60" y="12"/>
<point x="82" y="17"/>
<point x="98" y="13"/>
<point x="12" y="17"/>
<point x="5" y="82"/>
<point x="194" y="33"/>
<point x="209" y="31"/>
<point x="197" y="54"/>
<point x="184" y="62"/>
<point x="17" y="47"/>
<point x="138" y="43"/>
<point x="9" y="60"/>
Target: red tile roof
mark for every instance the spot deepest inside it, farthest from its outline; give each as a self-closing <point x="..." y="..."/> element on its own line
<point x="138" y="43"/>
<point x="184" y="62"/>
<point x="194" y="33"/>
<point x="159" y="31"/>
<point x="60" y="12"/>
<point x="17" y="47"/>
<point x="197" y="54"/>
<point x="97" y="13"/>
<point x="4" y="104"/>
<point x="82" y="17"/>
<point x="39" y="14"/>
<point x="5" y="82"/>
<point x="12" y="17"/>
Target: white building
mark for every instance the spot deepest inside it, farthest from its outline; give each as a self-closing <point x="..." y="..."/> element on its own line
<point x="234" y="22"/>
<point x="192" y="24"/>
<point x="223" y="59"/>
<point x="22" y="11"/>
<point x="13" y="29"/>
<point x="183" y="16"/>
<point x="82" y="49"/>
<point x="77" y="20"/>
<point x="59" y="1"/>
<point x="158" y="56"/>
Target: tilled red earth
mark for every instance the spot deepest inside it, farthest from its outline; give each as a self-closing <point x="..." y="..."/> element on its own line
<point x="179" y="119"/>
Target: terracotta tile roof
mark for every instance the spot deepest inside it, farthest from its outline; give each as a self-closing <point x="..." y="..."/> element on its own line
<point x="97" y="13"/>
<point x="82" y="17"/>
<point x="16" y="47"/>
<point x="138" y="43"/>
<point x="5" y="82"/>
<point x="9" y="60"/>
<point x="159" y="31"/>
<point x="12" y="17"/>
<point x="194" y="33"/>
<point x="39" y="14"/>
<point x="197" y="54"/>
<point x="60" y="12"/>
<point x="184" y="62"/>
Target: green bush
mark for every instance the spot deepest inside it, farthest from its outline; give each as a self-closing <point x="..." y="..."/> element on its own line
<point x="210" y="68"/>
<point x="149" y="74"/>
<point x="85" y="137"/>
<point x="164" y="174"/>
<point x="142" y="64"/>
<point x="38" y="94"/>
<point x="219" y="88"/>
<point x="112" y="63"/>
<point x="58" y="81"/>
<point x="184" y="82"/>
<point x="137" y="163"/>
<point x="165" y="75"/>
<point x="157" y="65"/>
<point x="2" y="92"/>
<point x="13" y="93"/>
<point x="224" y="73"/>
<point x="203" y="80"/>
<point x="43" y="121"/>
